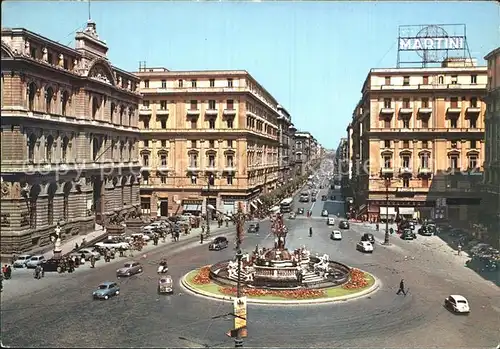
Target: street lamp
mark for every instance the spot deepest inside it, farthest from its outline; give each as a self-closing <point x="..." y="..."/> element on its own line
<point x="210" y="178"/>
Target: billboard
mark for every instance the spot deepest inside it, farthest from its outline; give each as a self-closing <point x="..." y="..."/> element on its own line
<point x="240" y="319"/>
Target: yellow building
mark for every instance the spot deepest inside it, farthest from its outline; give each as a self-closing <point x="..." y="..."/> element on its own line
<point x="208" y="137"/>
<point x="417" y="135"/>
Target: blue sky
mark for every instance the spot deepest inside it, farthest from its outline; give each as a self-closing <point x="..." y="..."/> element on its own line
<point x="313" y="57"/>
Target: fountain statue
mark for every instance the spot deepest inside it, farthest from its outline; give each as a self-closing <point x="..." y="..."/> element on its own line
<point x="56" y="240"/>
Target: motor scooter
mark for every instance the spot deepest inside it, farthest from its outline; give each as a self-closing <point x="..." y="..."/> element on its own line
<point x="162" y="269"/>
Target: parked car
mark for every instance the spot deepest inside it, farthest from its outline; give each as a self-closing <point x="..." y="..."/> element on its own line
<point x="113" y="244"/>
<point x="129" y="269"/>
<point x="313" y="199"/>
<point x="344" y="225"/>
<point x="34" y="261"/>
<point x="364" y="246"/>
<point x="145" y="237"/>
<point x="300" y="210"/>
<point x="254" y="225"/>
<point x="292" y="215"/>
<point x="218" y="243"/>
<point x="457" y="304"/>
<point x="330" y="221"/>
<point x="105" y="290"/>
<point x="51" y="265"/>
<point x="408" y="234"/>
<point x="21" y="261"/>
<point x="324" y="213"/>
<point x="89" y="252"/>
<point x="368" y="237"/>
<point x="336" y="235"/>
<point x="324" y="198"/>
<point x="427" y="230"/>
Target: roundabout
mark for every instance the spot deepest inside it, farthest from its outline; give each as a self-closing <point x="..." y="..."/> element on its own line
<point x="360" y="284"/>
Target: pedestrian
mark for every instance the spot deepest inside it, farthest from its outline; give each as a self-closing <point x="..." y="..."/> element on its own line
<point x="459" y="247"/>
<point x="201" y="238"/>
<point x="76" y="246"/>
<point x="92" y="261"/>
<point x="120" y="249"/>
<point x="401" y="288"/>
<point x="8" y="272"/>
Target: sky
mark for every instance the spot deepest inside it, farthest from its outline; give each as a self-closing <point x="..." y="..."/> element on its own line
<point x="313" y="57"/>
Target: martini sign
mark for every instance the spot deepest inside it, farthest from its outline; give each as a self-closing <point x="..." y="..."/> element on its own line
<point x="434" y="43"/>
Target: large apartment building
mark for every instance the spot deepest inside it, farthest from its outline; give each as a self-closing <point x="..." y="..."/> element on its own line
<point x="286" y="137"/>
<point x="307" y="152"/>
<point x="69" y="139"/>
<point x="490" y="208"/>
<point x="418" y="133"/>
<point x="341" y="161"/>
<point x="208" y="137"/>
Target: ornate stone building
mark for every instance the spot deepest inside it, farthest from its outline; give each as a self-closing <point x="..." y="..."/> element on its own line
<point x="69" y="137"/>
<point x="208" y="137"/>
<point x="286" y="135"/>
<point x="308" y="152"/>
<point x="420" y="133"/>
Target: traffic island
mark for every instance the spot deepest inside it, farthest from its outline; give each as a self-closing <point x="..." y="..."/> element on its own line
<point x="359" y="284"/>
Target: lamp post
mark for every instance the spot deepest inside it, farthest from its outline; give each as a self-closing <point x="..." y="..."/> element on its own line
<point x="387" y="182"/>
<point x="207" y="205"/>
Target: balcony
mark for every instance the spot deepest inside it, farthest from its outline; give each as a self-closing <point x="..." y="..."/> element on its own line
<point x="386" y="172"/>
<point x="193" y="112"/>
<point x="405" y="171"/>
<point x="406" y="110"/>
<point x="454" y="109"/>
<point x="211" y="112"/>
<point x="230" y="168"/>
<point x="473" y="110"/>
<point x="424" y="171"/>
<point x="162" y="112"/>
<point x="193" y="168"/>
<point x="229" y="112"/>
<point x="210" y="168"/>
<point x="425" y="110"/>
<point x="387" y="111"/>
<point x="145" y="111"/>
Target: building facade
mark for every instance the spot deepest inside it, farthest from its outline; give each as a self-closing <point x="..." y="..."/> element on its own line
<point x="418" y="137"/>
<point x="307" y="152"/>
<point x="69" y="140"/>
<point x="490" y="205"/>
<point x="341" y="161"/>
<point x="286" y="136"/>
<point x="208" y="137"/>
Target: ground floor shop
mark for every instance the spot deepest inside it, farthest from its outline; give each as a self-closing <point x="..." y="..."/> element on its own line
<point x="32" y="205"/>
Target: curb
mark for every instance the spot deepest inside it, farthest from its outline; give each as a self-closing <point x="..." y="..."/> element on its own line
<point x="184" y="284"/>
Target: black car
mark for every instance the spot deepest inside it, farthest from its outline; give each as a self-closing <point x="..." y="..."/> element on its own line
<point x="51" y="265"/>
<point x="218" y="244"/>
<point x="313" y="199"/>
<point x="324" y="198"/>
<point x="368" y="237"/>
<point x="427" y="230"/>
<point x="253" y="227"/>
<point x="344" y="225"/>
<point x="300" y="210"/>
<point x="408" y="234"/>
<point x="332" y="197"/>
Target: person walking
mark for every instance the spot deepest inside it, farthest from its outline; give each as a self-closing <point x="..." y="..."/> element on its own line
<point x="459" y="248"/>
<point x="401" y="288"/>
<point x="201" y="238"/>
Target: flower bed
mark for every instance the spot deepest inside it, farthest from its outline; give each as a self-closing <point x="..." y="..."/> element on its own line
<point x="357" y="280"/>
<point x="202" y="277"/>
<point x="293" y="294"/>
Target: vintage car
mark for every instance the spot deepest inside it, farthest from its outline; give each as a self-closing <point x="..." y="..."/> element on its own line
<point x="292" y="215"/>
<point x="344" y="225"/>
<point x="35" y="261"/>
<point x="364" y="246"/>
<point x="300" y="210"/>
<point x="21" y="261"/>
<point x="336" y="235"/>
<point x="324" y="198"/>
<point x="130" y="268"/>
<point x="324" y="213"/>
<point x="253" y="227"/>
<point x="106" y="289"/>
<point x="457" y="304"/>
<point x="218" y="243"/>
<point x="408" y="234"/>
<point x="165" y="284"/>
<point x="330" y="221"/>
<point x="52" y="265"/>
<point x="368" y="237"/>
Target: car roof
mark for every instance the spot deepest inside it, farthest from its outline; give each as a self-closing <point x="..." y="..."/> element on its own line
<point x="458" y="297"/>
<point x="37" y="256"/>
<point x="107" y="283"/>
<point x="130" y="262"/>
<point x="24" y="255"/>
<point x="336" y="231"/>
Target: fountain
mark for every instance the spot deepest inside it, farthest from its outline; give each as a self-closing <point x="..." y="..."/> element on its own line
<point x="280" y="268"/>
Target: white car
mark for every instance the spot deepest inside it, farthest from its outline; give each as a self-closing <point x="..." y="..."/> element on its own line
<point x="113" y="244"/>
<point x="324" y="213"/>
<point x="330" y="221"/>
<point x="21" y="261"/>
<point x="155" y="225"/>
<point x="144" y="236"/>
<point x="89" y="252"/>
<point x="35" y="261"/>
<point x="336" y="235"/>
<point x="457" y="304"/>
<point x="364" y="246"/>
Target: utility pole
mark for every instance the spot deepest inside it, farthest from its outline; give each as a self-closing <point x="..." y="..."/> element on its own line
<point x="210" y="177"/>
<point x="387" y="185"/>
<point x="239" y="219"/>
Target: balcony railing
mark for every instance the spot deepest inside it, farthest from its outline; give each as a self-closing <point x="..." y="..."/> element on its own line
<point x="229" y="111"/>
<point x="425" y="110"/>
<point x="454" y="110"/>
<point x="145" y="111"/>
<point x="211" y="112"/>
<point x="385" y="171"/>
<point x="405" y="110"/>
<point x="405" y="170"/>
<point x="424" y="171"/>
<point x="424" y="130"/>
<point x="162" y="112"/>
<point x="387" y="111"/>
<point x="193" y="111"/>
<point x="473" y="110"/>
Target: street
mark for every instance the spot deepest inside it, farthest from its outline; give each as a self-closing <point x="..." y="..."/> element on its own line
<point x="62" y="312"/>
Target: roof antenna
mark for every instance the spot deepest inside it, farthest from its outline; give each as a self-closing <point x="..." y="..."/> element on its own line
<point x="90" y="17"/>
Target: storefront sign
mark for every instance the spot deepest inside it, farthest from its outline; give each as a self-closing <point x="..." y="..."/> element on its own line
<point x="240" y="319"/>
<point x="434" y="43"/>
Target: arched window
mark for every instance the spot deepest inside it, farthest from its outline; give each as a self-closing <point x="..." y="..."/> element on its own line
<point x="31" y="96"/>
<point x="64" y="102"/>
<point x="441" y="80"/>
<point x="48" y="148"/>
<point x="65" y="144"/>
<point x="31" y="148"/>
<point x="49" y="95"/>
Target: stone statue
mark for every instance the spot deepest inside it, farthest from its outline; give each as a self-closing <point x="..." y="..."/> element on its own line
<point x="56" y="240"/>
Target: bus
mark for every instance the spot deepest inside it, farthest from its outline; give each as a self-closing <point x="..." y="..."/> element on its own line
<point x="286" y="205"/>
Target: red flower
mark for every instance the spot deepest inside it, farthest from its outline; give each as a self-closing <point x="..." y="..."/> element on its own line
<point x="357" y="279"/>
<point x="292" y="294"/>
<point x="203" y="276"/>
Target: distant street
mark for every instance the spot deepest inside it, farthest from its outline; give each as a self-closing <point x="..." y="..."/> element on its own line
<point x="62" y="313"/>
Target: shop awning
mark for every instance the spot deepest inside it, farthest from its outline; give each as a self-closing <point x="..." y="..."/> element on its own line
<point x="253" y="205"/>
<point x="391" y="211"/>
<point x="191" y="208"/>
<point x="407" y="210"/>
